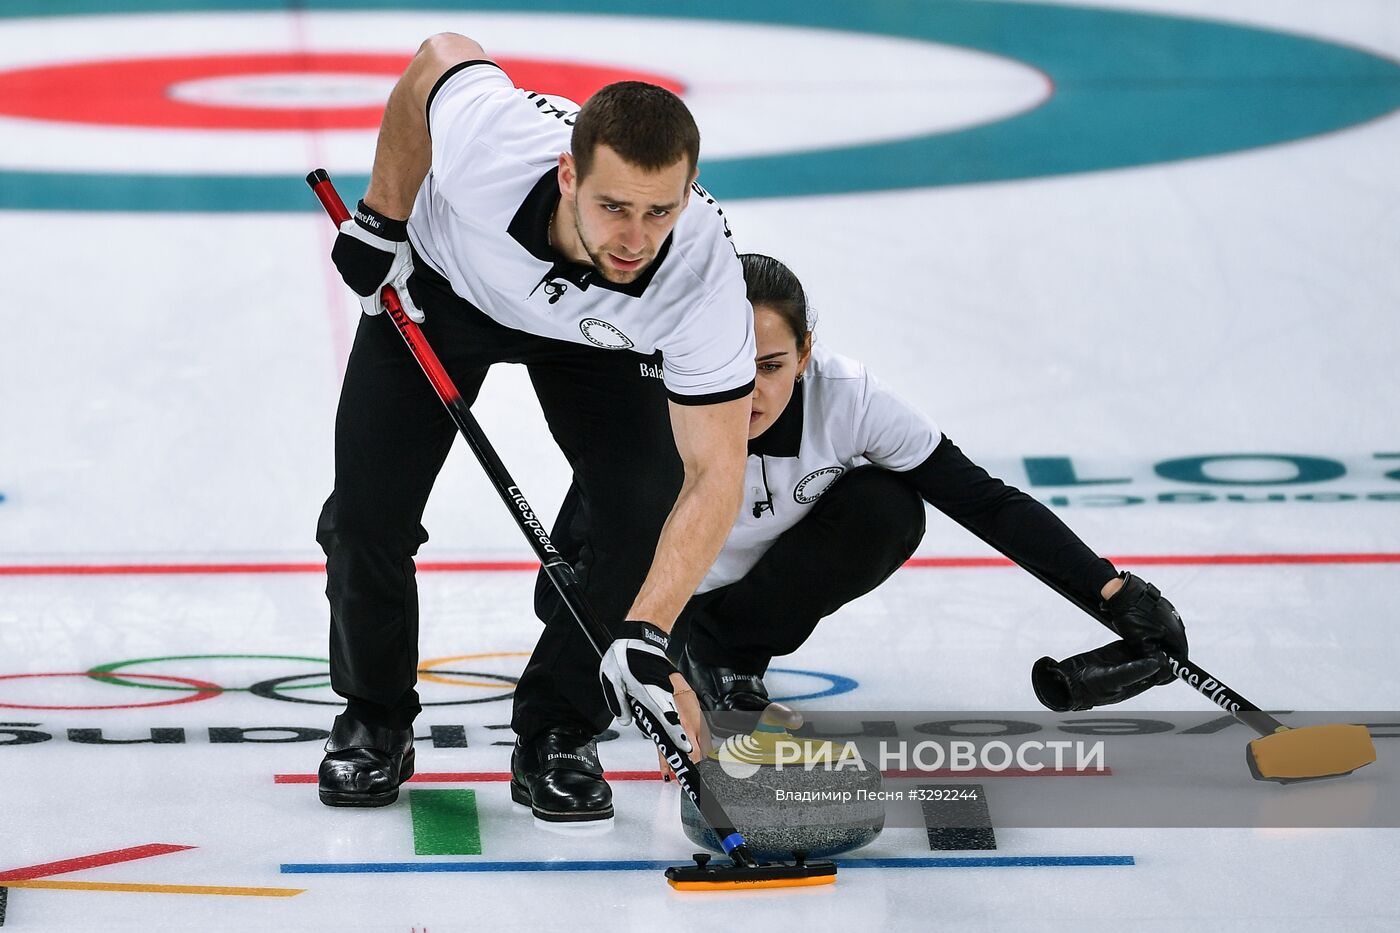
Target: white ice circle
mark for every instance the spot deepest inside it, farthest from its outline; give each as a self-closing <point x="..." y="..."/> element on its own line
<point x="754" y="89"/>
<point x="286" y="91"/>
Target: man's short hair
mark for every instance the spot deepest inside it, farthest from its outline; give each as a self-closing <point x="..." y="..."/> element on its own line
<point x="646" y="125"/>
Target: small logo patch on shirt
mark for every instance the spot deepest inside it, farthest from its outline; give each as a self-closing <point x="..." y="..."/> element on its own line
<point x="602" y="334"/>
<point x="555" y="289"/>
<point x="810" y="487"/>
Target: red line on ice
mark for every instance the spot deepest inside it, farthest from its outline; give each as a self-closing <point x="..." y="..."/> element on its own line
<point x="89" y="861"/>
<point x="481" y="566"/>
<point x="470" y="777"/>
<point x="485" y="777"/>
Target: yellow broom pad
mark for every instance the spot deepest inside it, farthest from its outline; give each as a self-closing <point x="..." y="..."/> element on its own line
<point x="1311" y="752"/>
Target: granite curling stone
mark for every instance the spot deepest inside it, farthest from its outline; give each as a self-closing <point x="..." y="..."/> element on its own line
<point x="788" y="794"/>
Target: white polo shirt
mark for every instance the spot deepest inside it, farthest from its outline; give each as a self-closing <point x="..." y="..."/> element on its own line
<point x="840" y="417"/>
<point x="482" y="216"/>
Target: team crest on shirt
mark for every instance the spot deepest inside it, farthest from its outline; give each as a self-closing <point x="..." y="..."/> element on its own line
<point x="602" y="334"/>
<point x="810" y="487"/>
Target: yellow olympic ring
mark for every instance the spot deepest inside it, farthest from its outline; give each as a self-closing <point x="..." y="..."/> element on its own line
<point x="424" y="667"/>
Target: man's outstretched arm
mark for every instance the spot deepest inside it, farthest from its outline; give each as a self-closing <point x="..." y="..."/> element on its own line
<point x="712" y="442"/>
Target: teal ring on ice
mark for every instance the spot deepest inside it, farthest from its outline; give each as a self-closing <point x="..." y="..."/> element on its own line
<point x="1121" y="98"/>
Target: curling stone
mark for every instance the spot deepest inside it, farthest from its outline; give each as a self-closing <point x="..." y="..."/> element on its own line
<point x="744" y="773"/>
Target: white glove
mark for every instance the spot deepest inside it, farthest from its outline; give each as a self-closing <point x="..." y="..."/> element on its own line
<point x="371" y="252"/>
<point x="636" y="665"/>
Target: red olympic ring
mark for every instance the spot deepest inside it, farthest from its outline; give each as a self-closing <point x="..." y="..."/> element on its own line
<point x="206" y="690"/>
<point x="133" y="92"/>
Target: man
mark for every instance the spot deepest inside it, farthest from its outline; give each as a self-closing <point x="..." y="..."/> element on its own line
<point x="519" y="231"/>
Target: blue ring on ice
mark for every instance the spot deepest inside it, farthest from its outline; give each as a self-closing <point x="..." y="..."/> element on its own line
<point x="839" y="684"/>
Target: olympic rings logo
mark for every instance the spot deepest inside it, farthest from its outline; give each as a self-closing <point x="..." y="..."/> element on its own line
<point x="285" y="688"/>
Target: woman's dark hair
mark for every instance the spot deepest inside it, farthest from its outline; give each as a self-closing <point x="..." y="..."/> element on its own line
<point x="773" y="285"/>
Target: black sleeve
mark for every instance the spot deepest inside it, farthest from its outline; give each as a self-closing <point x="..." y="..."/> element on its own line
<point x="1009" y="520"/>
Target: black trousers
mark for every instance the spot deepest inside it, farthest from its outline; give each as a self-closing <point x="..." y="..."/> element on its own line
<point x="392" y="434"/>
<point x="862" y="529"/>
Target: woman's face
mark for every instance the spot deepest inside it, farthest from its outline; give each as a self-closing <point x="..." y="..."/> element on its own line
<point x="780" y="361"/>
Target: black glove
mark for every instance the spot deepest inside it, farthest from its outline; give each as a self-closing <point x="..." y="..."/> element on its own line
<point x="1111" y="674"/>
<point x="1141" y="616"/>
<point x="372" y="251"/>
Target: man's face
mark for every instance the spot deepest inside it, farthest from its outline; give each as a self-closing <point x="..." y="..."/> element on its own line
<point x="623" y="213"/>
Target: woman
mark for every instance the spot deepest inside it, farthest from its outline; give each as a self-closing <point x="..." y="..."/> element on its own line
<point x="839" y="468"/>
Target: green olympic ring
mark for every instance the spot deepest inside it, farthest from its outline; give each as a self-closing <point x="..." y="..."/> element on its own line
<point x="1130" y="89"/>
<point x="106" y="669"/>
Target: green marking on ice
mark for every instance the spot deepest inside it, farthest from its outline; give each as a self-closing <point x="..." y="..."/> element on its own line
<point x="445" y="822"/>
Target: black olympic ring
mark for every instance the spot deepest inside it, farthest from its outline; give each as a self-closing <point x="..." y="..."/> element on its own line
<point x="267" y="689"/>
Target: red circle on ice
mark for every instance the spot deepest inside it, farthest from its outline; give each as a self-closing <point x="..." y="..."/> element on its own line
<point x="144" y="91"/>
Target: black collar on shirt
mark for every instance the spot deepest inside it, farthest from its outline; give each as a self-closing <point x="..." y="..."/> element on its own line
<point x="530" y="228"/>
<point x="784" y="438"/>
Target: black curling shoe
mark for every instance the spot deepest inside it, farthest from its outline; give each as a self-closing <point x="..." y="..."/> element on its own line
<point x="723" y="689"/>
<point x="558" y="776"/>
<point x="364" y="765"/>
